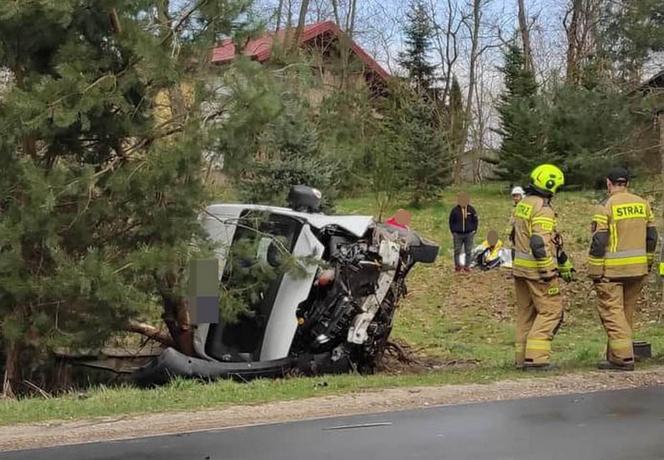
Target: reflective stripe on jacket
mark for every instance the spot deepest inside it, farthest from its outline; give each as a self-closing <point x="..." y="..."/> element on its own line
<point x="534" y="250"/>
<point x="624" y="237"/>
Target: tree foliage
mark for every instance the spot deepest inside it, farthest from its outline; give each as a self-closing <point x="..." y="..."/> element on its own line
<point x="521" y="120"/>
<point x="414" y="126"/>
<point x="455" y="126"/>
<point x="418" y="42"/>
<point x="632" y="31"/>
<point x="573" y="126"/>
<point x="102" y="169"/>
<point x="270" y="140"/>
<point x="349" y="131"/>
<point x="586" y="126"/>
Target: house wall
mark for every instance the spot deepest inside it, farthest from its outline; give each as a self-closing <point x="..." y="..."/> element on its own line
<point x="328" y="83"/>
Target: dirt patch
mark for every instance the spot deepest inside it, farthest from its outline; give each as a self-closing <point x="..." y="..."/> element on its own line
<point x="401" y="358"/>
<point x="115" y="428"/>
<point x="490" y="291"/>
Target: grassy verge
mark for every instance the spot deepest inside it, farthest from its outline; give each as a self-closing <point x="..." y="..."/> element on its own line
<point x="188" y="395"/>
<point x="445" y="317"/>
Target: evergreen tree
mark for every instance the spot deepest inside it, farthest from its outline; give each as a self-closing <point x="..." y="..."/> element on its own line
<point x="427" y="160"/>
<point x="418" y="36"/>
<point x="587" y="125"/>
<point x="290" y="155"/>
<point x="631" y="32"/>
<point x="271" y="128"/>
<point x="349" y="131"/>
<point x="101" y="186"/>
<point x="521" y="120"/>
<point x="456" y="120"/>
<point x="386" y="159"/>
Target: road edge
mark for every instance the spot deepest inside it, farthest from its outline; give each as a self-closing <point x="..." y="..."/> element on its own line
<point x="59" y="433"/>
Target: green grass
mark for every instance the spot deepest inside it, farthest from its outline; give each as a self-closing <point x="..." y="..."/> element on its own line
<point x="443" y="318"/>
<point x="471" y="317"/>
<point x="189" y="395"/>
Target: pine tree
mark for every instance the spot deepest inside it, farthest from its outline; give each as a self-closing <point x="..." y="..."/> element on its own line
<point x="418" y="36"/>
<point x="575" y="137"/>
<point x="101" y="186"/>
<point x="456" y="119"/>
<point x="631" y="32"/>
<point x="271" y="124"/>
<point x="521" y="120"/>
<point x="386" y="159"/>
<point x="291" y="155"/>
<point x="349" y="131"/>
<point x="426" y="166"/>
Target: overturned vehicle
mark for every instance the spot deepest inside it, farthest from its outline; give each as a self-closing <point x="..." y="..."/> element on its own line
<point x="332" y="312"/>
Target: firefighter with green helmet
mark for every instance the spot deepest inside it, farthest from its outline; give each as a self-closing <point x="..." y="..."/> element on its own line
<point x="539" y="263"/>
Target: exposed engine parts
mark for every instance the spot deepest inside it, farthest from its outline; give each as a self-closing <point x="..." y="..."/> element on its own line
<point x="335" y="316"/>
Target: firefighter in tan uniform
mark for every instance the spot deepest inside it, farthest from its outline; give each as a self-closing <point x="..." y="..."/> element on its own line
<point x="621" y="255"/>
<point x="539" y="262"/>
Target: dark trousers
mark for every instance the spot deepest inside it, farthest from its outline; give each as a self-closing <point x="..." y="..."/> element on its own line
<point x="463" y="242"/>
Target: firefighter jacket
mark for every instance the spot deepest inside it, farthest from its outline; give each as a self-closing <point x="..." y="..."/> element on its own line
<point x="534" y="246"/>
<point x="624" y="237"/>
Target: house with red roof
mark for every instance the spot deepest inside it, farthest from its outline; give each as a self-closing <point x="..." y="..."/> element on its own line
<point x="324" y="40"/>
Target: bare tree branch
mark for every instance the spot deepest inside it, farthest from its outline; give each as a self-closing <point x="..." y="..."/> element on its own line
<point x="151" y="332"/>
<point x="280" y="12"/>
<point x="524" y="30"/>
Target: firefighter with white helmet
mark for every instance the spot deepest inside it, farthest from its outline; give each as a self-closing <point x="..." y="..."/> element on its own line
<point x="518" y="193"/>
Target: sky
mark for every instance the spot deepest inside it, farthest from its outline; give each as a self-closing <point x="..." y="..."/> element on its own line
<point x="380" y="25"/>
<point x="380" y="32"/>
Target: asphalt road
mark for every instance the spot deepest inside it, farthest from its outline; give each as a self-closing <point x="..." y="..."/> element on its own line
<point x="617" y="425"/>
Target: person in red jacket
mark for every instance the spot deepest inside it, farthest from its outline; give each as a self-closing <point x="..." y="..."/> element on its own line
<point x="400" y="219"/>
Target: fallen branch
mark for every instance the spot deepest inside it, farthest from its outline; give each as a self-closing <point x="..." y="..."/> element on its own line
<point x="402" y="354"/>
<point x="150" y="332"/>
<point x="43" y="393"/>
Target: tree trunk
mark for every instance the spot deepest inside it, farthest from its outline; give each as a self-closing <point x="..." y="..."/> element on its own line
<point x="346" y="43"/>
<point x="474" y="55"/>
<point x="12" y="373"/>
<point x="525" y="37"/>
<point x="580" y="22"/>
<point x="447" y="45"/>
<point x="177" y="102"/>
<point x="28" y="143"/>
<point x="289" y="16"/>
<point x="480" y="132"/>
<point x="352" y="12"/>
<point x="301" y="22"/>
<point x="335" y="10"/>
<point x="573" y="51"/>
<point x="176" y="314"/>
<point x="280" y="12"/>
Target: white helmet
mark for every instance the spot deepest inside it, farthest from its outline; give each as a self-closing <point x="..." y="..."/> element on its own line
<point x="518" y="191"/>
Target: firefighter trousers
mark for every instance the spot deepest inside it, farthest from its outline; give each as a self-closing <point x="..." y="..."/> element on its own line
<point x="616" y="304"/>
<point x="539" y="316"/>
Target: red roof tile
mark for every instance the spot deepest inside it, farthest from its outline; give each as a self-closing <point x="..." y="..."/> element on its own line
<point x="261" y="48"/>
